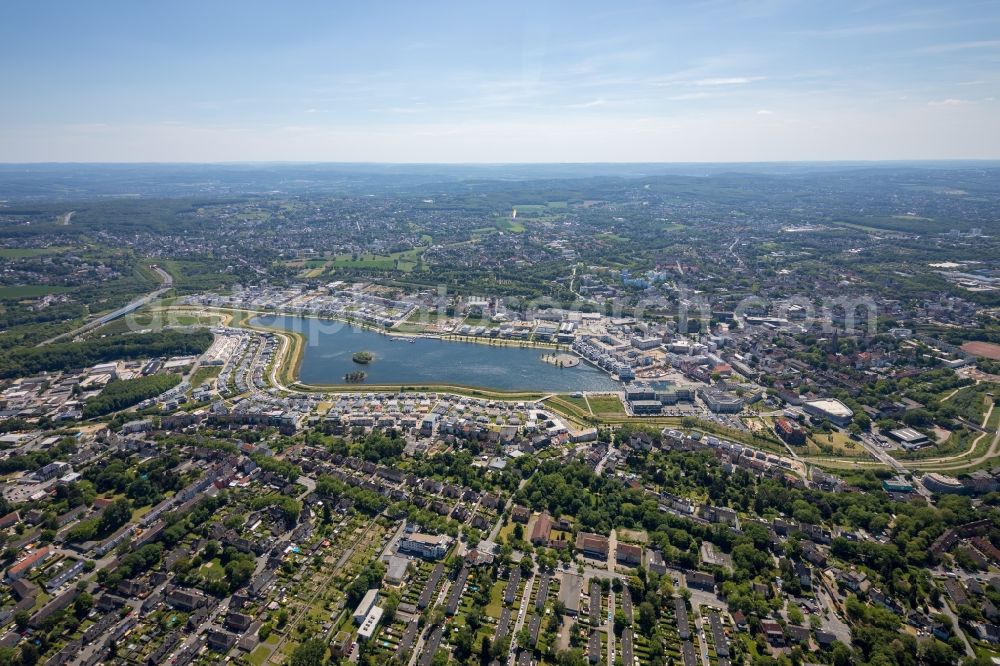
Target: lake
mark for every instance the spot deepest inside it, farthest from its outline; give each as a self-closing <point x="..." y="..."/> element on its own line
<point x="330" y="345"/>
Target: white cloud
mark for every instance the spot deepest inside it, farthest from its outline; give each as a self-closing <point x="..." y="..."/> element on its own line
<point x="588" y="105"/>
<point x="929" y="21"/>
<point x="728" y="81"/>
<point x="765" y="112"/>
<point x="951" y="101"/>
<point x="864" y="30"/>
<point x="962" y="46"/>
<point x="889" y="131"/>
<point x="683" y="97"/>
<point x="404" y="109"/>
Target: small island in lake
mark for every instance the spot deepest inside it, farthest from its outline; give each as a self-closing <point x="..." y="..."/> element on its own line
<point x="355" y="377"/>
<point x="562" y="360"/>
<point x="363" y="357"/>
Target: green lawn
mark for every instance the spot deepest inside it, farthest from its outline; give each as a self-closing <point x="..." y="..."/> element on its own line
<point x="213" y="570"/>
<point x="260" y="655"/>
<point x="493" y="609"/>
<point x="30" y="290"/>
<point x="606" y="404"/>
<point x="971" y="401"/>
<point x="25" y="252"/>
<point x="400" y="261"/>
<point x="205" y="374"/>
<point x="579" y="403"/>
<point x="156" y="320"/>
<point x="994" y="419"/>
<point x="834" y="443"/>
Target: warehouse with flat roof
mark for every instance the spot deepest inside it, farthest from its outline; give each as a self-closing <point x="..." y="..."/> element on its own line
<point x="909" y="438"/>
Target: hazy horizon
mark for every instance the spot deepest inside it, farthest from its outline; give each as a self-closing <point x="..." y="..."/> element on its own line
<point x="713" y="82"/>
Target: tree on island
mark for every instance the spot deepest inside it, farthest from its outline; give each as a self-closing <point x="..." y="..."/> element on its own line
<point x="363" y="357"/>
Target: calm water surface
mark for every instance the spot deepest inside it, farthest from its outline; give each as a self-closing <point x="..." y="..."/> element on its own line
<point x="330" y="345"/>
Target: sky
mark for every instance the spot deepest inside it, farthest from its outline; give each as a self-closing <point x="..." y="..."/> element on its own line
<point x="536" y="81"/>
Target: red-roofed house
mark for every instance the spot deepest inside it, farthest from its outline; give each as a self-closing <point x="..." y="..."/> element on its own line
<point x="592" y="545"/>
<point x="520" y="514"/>
<point x="27" y="564"/>
<point x="628" y="553"/>
<point x="789" y="432"/>
<point x="542" y="530"/>
<point x="10" y="519"/>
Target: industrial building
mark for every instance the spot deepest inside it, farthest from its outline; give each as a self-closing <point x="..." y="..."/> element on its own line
<point x="909" y="438"/>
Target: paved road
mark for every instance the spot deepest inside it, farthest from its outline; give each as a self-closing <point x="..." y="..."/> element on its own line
<point x="166" y="282"/>
<point x="310" y="485"/>
<point x="607" y="456"/>
<point x="882" y="455"/>
<point x="435" y="632"/>
<point x="590" y="571"/>
<point x="433" y="643"/>
<point x="830" y="620"/>
<point x="611" y="627"/>
<point x="390" y="544"/>
<point x="732" y="251"/>
<point x="506" y="509"/>
<point x="521" y="613"/>
<point x="279" y="360"/>
<point x="954" y="464"/>
<point x="950" y="464"/>
<point x="946" y="609"/>
<point x="700" y="628"/>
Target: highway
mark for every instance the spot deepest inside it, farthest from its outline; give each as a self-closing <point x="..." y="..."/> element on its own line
<point x="166" y="283"/>
<point x="881" y="455"/>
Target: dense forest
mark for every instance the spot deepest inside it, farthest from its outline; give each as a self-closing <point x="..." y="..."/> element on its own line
<point x="69" y="355"/>
<point x="121" y="394"/>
